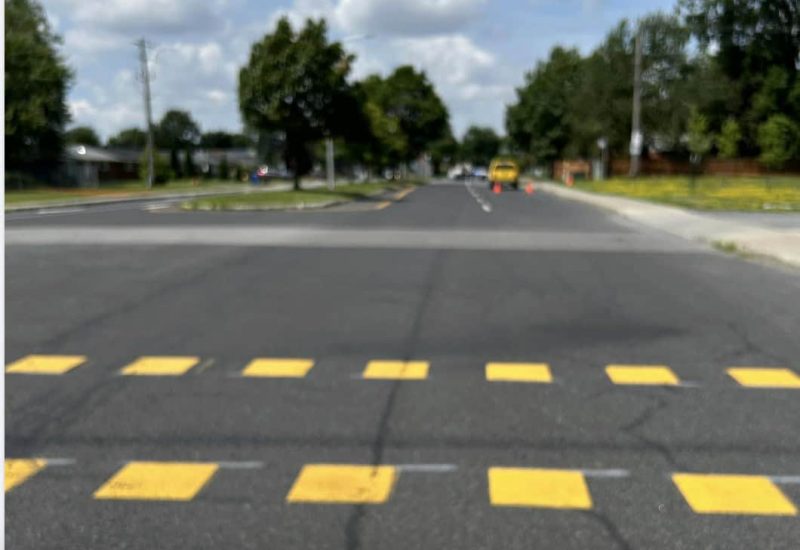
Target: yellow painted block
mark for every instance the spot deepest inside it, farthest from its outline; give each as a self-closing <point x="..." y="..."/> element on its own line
<point x="647" y="375"/>
<point x="343" y="484"/>
<point x="760" y="377"/>
<point x="19" y="470"/>
<point x="538" y="488"/>
<point x="397" y="370"/>
<point x="160" y="366"/>
<point x="733" y="494"/>
<point x="179" y="481"/>
<point x="519" y="372"/>
<point x="278" y="368"/>
<point x="46" y="364"/>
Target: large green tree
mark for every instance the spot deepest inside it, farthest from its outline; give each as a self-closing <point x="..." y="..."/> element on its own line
<point x="177" y="131"/>
<point x="408" y="96"/>
<point x="36" y="81"/>
<point x="479" y="145"/>
<point x="84" y="135"/>
<point x="129" y="138"/>
<point x="220" y="139"/>
<point x="296" y="83"/>
<point x="539" y="122"/>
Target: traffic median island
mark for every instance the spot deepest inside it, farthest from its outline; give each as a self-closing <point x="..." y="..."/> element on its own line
<point x="313" y="198"/>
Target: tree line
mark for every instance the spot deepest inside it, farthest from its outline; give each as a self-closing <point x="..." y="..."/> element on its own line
<point x="719" y="77"/>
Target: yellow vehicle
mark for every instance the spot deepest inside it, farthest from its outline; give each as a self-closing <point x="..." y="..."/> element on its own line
<point x="504" y="172"/>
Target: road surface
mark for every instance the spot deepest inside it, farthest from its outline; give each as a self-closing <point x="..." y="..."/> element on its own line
<point x="448" y="384"/>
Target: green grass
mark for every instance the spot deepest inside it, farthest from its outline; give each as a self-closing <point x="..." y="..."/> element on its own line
<point x="113" y="189"/>
<point x="292" y="199"/>
<point x="748" y="194"/>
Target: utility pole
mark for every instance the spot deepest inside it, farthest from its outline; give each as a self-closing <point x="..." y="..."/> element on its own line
<point x="329" y="167"/>
<point x="145" y="75"/>
<point x="636" y="123"/>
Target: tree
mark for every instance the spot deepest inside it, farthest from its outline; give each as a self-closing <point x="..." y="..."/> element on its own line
<point x="224" y="169"/>
<point x="189" y="169"/>
<point x="729" y="138"/>
<point x="778" y="138"/>
<point x="698" y="137"/>
<point x="539" y="122"/>
<point x="294" y="83"/>
<point x="130" y="138"/>
<point x="161" y="169"/>
<point x="224" y="140"/>
<point x="36" y="80"/>
<point x="409" y="98"/>
<point x="84" y="135"/>
<point x="480" y="145"/>
<point x="177" y="130"/>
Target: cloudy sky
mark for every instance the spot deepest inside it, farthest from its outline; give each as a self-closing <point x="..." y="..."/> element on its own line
<point x="475" y="51"/>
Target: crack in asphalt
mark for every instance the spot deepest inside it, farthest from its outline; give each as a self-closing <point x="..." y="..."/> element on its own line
<point x="353" y="525"/>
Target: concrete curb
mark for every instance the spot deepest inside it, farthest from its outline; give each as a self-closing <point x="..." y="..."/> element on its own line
<point x="27" y="207"/>
<point x="782" y="245"/>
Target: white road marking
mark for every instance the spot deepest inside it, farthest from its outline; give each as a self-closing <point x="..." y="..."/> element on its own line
<point x="427" y="468"/>
<point x="607" y="473"/>
<point x="484" y="204"/>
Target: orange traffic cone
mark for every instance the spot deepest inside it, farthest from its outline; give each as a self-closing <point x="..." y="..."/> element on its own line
<point x="570" y="180"/>
<point x="529" y="188"/>
<point x="497" y="189"/>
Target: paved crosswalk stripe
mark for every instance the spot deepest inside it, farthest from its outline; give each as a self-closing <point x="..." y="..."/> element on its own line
<point x="160" y="366"/>
<point x="396" y="370"/>
<point x="519" y="372"/>
<point x="46" y="364"/>
<point x="343" y="484"/>
<point x="278" y="368"/>
<point x="733" y="494"/>
<point x="646" y="375"/>
<point x="19" y="470"/>
<point x="538" y="488"/>
<point x="761" y="377"/>
<point x="179" y="481"/>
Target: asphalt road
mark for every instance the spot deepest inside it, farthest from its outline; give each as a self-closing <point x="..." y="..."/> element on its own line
<point x="215" y="459"/>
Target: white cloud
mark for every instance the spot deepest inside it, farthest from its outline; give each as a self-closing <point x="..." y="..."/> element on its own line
<point x="140" y="16"/>
<point x="406" y="17"/>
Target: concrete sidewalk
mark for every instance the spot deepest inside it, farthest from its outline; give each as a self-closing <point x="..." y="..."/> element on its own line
<point x="750" y="236"/>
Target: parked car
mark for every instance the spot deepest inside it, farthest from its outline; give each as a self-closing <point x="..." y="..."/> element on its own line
<point x="504" y="172"/>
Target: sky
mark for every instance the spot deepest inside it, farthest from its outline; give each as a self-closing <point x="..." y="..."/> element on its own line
<point x="476" y="52"/>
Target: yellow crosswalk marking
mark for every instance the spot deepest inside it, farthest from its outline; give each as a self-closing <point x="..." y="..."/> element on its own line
<point x="160" y="366"/>
<point x="733" y="494"/>
<point x="179" y="481"/>
<point x="397" y="370"/>
<point x="19" y="470"/>
<point x="646" y="375"/>
<point x="45" y="364"/>
<point x="538" y="488"/>
<point x="762" y="377"/>
<point x="278" y="368"/>
<point x="343" y="484"/>
<point x="519" y="372"/>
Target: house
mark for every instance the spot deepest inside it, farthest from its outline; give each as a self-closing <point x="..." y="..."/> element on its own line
<point x="88" y="166"/>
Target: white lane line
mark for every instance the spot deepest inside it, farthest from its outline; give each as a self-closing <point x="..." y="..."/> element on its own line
<point x="241" y="465"/>
<point x="50" y="211"/>
<point x="427" y="468"/>
<point x="484" y="204"/>
<point x="59" y="461"/>
<point x="607" y="473"/>
<point x="789" y="480"/>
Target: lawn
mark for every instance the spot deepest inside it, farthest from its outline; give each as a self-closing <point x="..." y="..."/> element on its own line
<point x="114" y="189"/>
<point x="294" y="199"/>
<point x="750" y="194"/>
